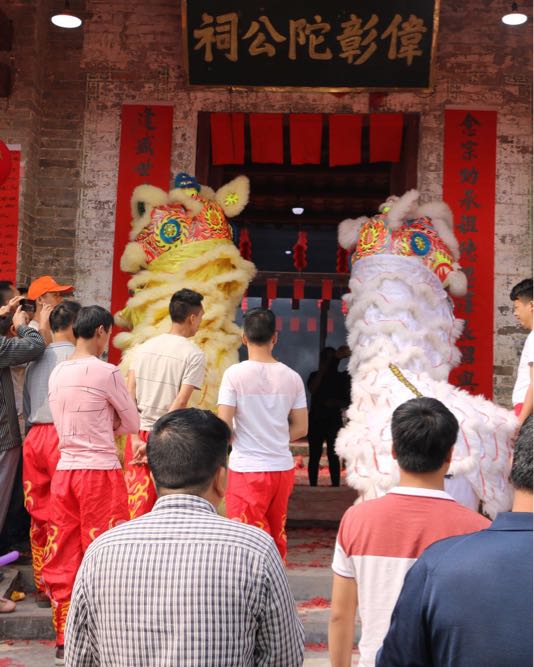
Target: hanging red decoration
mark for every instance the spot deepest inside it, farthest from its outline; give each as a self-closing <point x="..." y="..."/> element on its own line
<point x="227" y="138"/>
<point x="244" y="303"/>
<point x="300" y="250"/>
<point x="342" y="257"/>
<point x="272" y="288"/>
<point x="245" y="244"/>
<point x="5" y="162"/>
<point x="326" y="291"/>
<point x="298" y="288"/>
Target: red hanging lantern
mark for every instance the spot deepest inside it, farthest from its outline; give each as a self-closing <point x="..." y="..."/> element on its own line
<point x="245" y="244"/>
<point x="5" y="162"/>
<point x="326" y="291"/>
<point x="300" y="249"/>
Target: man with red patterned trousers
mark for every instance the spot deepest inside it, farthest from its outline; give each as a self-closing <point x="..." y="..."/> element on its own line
<point x="90" y="405"/>
<point x="264" y="401"/>
<point x="40" y="452"/>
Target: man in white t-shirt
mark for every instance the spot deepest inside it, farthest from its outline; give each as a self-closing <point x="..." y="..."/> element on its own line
<point x="264" y="402"/>
<point x="165" y="371"/>
<point x="522" y="396"/>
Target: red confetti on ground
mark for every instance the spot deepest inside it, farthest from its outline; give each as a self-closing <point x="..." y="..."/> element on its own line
<point x="315" y="603"/>
<point x="316" y="647"/>
<point x="8" y="662"/>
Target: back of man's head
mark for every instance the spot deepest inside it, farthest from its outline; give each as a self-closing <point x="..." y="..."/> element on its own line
<point x="522" y="291"/>
<point x="521" y="475"/>
<point x="259" y="326"/>
<point x="424" y="431"/>
<point x="89" y="318"/>
<point x="186" y="448"/>
<point x="7" y="291"/>
<point x="64" y="315"/>
<point x="183" y="303"/>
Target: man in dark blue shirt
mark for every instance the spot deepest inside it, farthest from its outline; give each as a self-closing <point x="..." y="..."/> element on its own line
<point x="468" y="600"/>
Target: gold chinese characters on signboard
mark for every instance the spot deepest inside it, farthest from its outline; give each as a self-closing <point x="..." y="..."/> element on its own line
<point x="331" y="47"/>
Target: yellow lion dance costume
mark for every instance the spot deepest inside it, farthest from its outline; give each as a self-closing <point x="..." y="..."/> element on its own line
<point x="182" y="239"/>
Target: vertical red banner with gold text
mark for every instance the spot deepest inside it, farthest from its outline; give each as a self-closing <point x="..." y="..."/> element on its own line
<point x="144" y="157"/>
<point x="9" y="219"/>
<point x="469" y="189"/>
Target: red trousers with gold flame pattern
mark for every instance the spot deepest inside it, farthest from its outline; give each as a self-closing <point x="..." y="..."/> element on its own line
<point x="83" y="505"/>
<point x="40" y="455"/>
<point x="260" y="499"/>
<point x="141" y="490"/>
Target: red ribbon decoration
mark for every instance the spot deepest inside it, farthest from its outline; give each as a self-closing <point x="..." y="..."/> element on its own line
<point x="326" y="292"/>
<point x="245" y="244"/>
<point x="298" y="288"/>
<point x="272" y="288"/>
<point x="342" y="257"/>
<point x="300" y="261"/>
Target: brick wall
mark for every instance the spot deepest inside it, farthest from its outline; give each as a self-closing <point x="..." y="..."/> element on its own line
<point x="66" y="105"/>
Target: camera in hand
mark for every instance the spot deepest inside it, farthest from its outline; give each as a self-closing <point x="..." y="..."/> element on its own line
<point x="28" y="305"/>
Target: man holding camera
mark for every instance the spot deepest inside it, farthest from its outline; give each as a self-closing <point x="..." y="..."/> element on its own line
<point x="26" y="346"/>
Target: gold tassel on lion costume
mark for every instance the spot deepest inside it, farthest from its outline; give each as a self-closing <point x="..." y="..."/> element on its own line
<point x="182" y="239"/>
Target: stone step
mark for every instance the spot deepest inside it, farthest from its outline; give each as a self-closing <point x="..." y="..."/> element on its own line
<point x="9" y="580"/>
<point x="28" y="621"/>
<point x="319" y="505"/>
<point x="311" y="582"/>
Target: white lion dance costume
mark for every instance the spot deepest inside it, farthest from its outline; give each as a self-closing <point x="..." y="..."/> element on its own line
<point x="182" y="239"/>
<point x="402" y="333"/>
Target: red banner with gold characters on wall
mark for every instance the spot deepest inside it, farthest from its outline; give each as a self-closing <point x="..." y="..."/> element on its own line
<point x="469" y="189"/>
<point x="144" y="157"/>
<point x="9" y="219"/>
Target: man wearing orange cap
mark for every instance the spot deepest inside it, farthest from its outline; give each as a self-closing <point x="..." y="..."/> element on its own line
<point x="46" y="291"/>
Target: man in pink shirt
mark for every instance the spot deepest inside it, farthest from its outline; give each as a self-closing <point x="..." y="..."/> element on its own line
<point x="90" y="404"/>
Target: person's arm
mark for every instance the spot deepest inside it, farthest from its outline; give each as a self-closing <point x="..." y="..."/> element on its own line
<point x="342" y="618"/>
<point x="226" y="413"/>
<point x="192" y="379"/>
<point x="280" y="635"/>
<point x="182" y="398"/>
<point x="28" y="345"/>
<point x="298" y="423"/>
<point x="44" y="323"/>
<point x="79" y="651"/>
<point x="406" y="643"/>
<point x="227" y="400"/>
<point x="130" y="385"/>
<point x="125" y="407"/>
<point x="526" y="410"/>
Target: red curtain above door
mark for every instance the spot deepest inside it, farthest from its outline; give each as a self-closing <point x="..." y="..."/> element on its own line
<point x="385" y="137"/>
<point x="227" y="138"/>
<point x="305" y="135"/>
<point x="345" y="139"/>
<point x="266" y="138"/>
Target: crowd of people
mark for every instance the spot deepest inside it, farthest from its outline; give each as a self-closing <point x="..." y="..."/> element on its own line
<point x="433" y="582"/>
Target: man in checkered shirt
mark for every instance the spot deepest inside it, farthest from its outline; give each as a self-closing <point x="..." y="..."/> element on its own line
<point x="182" y="585"/>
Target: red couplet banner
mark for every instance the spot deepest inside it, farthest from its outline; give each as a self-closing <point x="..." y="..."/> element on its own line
<point x="9" y="220"/>
<point x="469" y="189"/>
<point x="144" y="157"/>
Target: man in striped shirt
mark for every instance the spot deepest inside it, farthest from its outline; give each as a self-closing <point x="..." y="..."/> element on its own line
<point x="379" y="540"/>
<point x="182" y="585"/>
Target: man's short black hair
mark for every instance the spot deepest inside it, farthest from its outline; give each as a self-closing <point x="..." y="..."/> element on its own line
<point x="521" y="475"/>
<point x="89" y="318"/>
<point x="522" y="290"/>
<point x="259" y="325"/>
<point x="6" y="291"/>
<point x="424" y="431"/>
<point x="64" y="315"/>
<point x="186" y="448"/>
<point x="184" y="303"/>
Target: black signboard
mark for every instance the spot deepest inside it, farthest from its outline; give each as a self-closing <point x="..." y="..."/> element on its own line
<point x="319" y="44"/>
